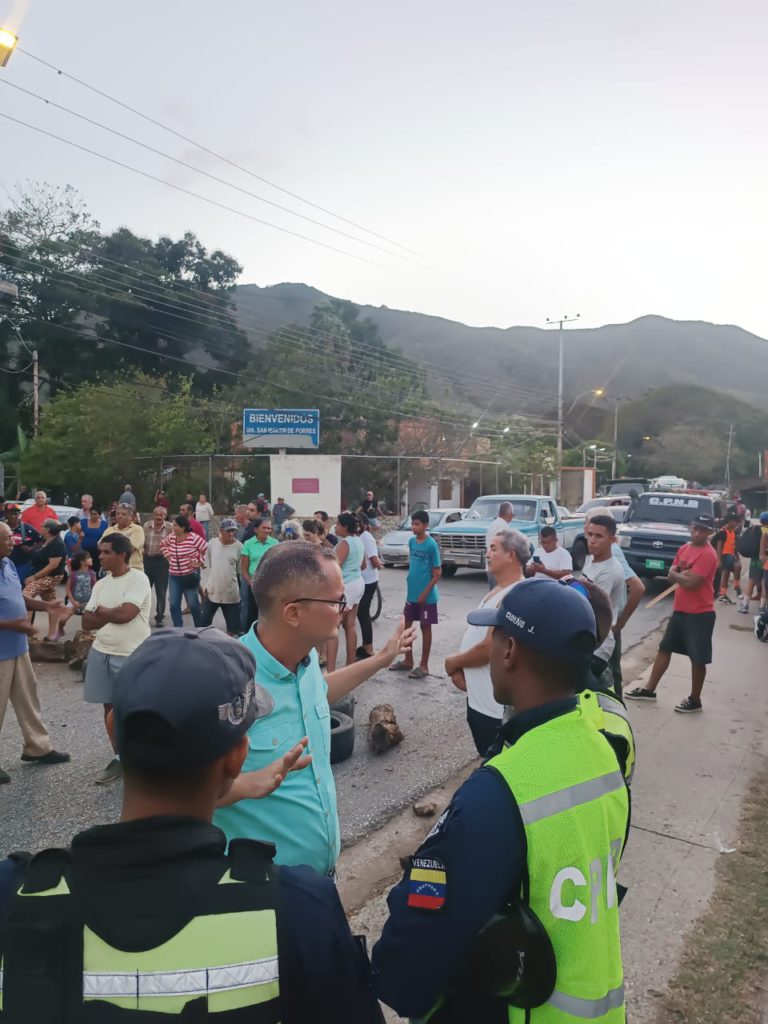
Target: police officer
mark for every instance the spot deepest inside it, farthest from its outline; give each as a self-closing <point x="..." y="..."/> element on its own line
<point x="152" y="918"/>
<point x="509" y="910"/>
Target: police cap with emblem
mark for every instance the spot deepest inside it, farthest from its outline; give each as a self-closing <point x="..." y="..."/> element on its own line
<point x="198" y="686"/>
<point x="548" y="615"/>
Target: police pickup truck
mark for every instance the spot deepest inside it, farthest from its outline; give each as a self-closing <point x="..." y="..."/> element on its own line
<point x="462" y="544"/>
<point x="656" y="525"/>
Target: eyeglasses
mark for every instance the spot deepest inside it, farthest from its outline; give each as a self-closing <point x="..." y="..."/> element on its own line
<point x="340" y="602"/>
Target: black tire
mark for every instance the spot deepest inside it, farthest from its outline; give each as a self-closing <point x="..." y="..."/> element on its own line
<point x="342" y="737"/>
<point x="579" y="553"/>
<point x="449" y="570"/>
<point x="376" y="604"/>
<point x="345" y="706"/>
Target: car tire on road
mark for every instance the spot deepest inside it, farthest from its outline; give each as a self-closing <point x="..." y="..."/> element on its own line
<point x="342" y="737"/>
<point x="449" y="570"/>
<point x="579" y="553"/>
<point x="345" y="706"/>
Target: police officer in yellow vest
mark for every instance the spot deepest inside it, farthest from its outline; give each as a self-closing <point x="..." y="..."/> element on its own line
<point x="152" y="919"/>
<point x="508" y="913"/>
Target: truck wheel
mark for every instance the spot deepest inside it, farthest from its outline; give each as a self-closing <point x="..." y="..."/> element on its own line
<point x="449" y="570"/>
<point x="345" y="706"/>
<point x="342" y="737"/>
<point x="579" y="553"/>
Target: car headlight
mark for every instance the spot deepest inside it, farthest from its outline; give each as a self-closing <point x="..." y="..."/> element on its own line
<point x="624" y="541"/>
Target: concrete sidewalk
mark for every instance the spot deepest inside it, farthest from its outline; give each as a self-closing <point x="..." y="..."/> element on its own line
<point x="692" y="774"/>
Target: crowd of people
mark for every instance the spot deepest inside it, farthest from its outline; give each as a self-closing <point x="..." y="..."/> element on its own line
<point x="223" y="744"/>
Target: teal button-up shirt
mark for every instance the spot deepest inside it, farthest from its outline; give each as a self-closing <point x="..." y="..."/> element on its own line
<point x="300" y="818"/>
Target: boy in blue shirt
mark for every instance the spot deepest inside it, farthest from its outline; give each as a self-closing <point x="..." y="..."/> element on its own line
<point x="422" y="595"/>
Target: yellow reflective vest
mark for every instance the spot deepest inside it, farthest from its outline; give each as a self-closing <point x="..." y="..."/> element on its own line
<point x="575" y="810"/>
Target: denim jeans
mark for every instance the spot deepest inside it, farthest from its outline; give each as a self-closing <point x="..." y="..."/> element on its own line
<point x="179" y="589"/>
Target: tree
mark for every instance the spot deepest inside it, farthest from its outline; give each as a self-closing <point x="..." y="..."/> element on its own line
<point x="95" y="304"/>
<point x="91" y="437"/>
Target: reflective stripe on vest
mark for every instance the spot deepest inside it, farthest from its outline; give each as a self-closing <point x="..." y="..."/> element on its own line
<point x="138" y="984"/>
<point x="570" y="797"/>
<point x="575" y="809"/>
<point x="587" y="1009"/>
<point x="612" y="704"/>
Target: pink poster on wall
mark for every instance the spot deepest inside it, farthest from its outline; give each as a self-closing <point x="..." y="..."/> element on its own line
<point x="305" y="485"/>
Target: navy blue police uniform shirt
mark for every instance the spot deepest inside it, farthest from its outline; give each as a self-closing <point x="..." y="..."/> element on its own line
<point x="324" y="975"/>
<point x="479" y="846"/>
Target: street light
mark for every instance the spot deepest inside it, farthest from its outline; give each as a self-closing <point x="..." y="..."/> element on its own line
<point x="8" y="41"/>
<point x="560" y="322"/>
<point x="597" y="392"/>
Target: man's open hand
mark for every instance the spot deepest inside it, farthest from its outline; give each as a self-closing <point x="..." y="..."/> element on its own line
<point x="400" y="642"/>
<point x="256" y="785"/>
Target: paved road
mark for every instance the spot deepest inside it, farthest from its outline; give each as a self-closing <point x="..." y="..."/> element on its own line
<point x="44" y="806"/>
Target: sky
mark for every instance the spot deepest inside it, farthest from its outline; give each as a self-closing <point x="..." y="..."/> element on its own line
<point x="541" y="159"/>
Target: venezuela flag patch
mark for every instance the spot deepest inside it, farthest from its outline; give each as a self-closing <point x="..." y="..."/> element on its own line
<point x="427" y="883"/>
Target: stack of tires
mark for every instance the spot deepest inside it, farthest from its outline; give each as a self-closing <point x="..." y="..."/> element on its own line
<point x="342" y="729"/>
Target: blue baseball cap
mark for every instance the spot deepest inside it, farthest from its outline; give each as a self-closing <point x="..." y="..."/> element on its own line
<point x="200" y="684"/>
<point x="547" y="615"/>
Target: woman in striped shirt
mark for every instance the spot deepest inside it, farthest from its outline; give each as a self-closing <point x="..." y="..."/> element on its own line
<point x="186" y="553"/>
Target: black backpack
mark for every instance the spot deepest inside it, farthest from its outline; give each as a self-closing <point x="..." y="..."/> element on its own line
<point x="749" y="542"/>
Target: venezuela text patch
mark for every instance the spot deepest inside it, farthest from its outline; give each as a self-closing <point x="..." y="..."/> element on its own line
<point x="427" y="883"/>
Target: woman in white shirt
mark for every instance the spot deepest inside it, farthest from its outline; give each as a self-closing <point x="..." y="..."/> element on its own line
<point x="371" y="581"/>
<point x="508" y="552"/>
<point x="204" y="514"/>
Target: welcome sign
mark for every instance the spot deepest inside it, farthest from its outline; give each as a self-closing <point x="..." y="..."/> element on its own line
<point x="281" y="428"/>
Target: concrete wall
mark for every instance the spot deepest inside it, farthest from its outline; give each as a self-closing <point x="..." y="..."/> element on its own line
<point x="307" y="482"/>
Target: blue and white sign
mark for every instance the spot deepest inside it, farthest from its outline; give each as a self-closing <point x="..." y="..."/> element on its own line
<point x="281" y="428"/>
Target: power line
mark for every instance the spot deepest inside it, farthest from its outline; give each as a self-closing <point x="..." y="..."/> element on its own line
<point x="93" y="337"/>
<point x="187" y="191"/>
<point x="211" y="152"/>
<point x="370" y="356"/>
<point x="198" y="170"/>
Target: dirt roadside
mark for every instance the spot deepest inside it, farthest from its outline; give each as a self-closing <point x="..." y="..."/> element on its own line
<point x="694" y="776"/>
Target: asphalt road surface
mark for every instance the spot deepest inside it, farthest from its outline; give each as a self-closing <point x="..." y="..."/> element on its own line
<point x="45" y="806"/>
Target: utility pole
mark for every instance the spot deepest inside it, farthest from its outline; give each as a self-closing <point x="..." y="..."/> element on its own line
<point x="728" y="457"/>
<point x="35" y="391"/>
<point x="560" y="322"/>
<point x="615" y="437"/>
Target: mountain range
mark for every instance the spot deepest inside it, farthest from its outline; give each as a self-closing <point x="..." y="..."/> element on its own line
<point x="477" y="363"/>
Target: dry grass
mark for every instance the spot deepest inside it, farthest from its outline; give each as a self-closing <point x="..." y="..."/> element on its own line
<point x="725" y="962"/>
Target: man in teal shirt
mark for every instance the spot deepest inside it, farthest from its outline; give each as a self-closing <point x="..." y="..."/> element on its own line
<point x="254" y="550"/>
<point x="300" y="595"/>
<point x="421" y="592"/>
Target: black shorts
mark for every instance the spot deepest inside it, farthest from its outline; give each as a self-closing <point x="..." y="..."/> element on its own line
<point x="690" y="634"/>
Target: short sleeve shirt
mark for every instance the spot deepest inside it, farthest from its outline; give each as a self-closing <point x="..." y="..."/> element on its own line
<point x="12" y="644"/>
<point x="300" y="817"/>
<point x="558" y="560"/>
<point x="223" y="586"/>
<point x="255" y="551"/>
<point x="122" y="638"/>
<point x="424" y="558"/>
<point x="609" y="576"/>
<point x="135" y="535"/>
<point x="702" y="560"/>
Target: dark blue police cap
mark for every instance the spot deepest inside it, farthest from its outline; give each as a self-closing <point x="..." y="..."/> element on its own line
<point x="200" y="683"/>
<point x="547" y="615"/>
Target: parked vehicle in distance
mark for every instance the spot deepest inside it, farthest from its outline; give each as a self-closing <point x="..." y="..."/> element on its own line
<point x="656" y="525"/>
<point x="393" y="547"/>
<point x="667" y="483"/>
<point x="627" y="484"/>
<point x="612" y="501"/>
<point x="64" y="512"/>
<point x="462" y="544"/>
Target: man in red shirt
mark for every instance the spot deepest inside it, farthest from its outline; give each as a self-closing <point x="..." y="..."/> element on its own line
<point x="36" y="514"/>
<point x="189" y="511"/>
<point x="689" y="631"/>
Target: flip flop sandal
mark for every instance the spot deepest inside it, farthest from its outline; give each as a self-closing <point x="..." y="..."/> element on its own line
<point x="400" y="667"/>
<point x="418" y="673"/>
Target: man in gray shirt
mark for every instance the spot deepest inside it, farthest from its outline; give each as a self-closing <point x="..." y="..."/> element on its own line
<point x="606" y="572"/>
<point x="128" y="497"/>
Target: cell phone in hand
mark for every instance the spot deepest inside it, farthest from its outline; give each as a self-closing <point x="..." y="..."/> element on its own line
<point x="536" y="560"/>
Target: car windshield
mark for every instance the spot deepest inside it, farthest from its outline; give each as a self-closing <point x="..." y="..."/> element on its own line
<point x="487" y="508"/>
<point x="668" y="508"/>
<point x="435" y="518"/>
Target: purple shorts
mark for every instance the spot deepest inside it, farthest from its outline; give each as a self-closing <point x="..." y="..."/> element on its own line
<point x="426" y="614"/>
